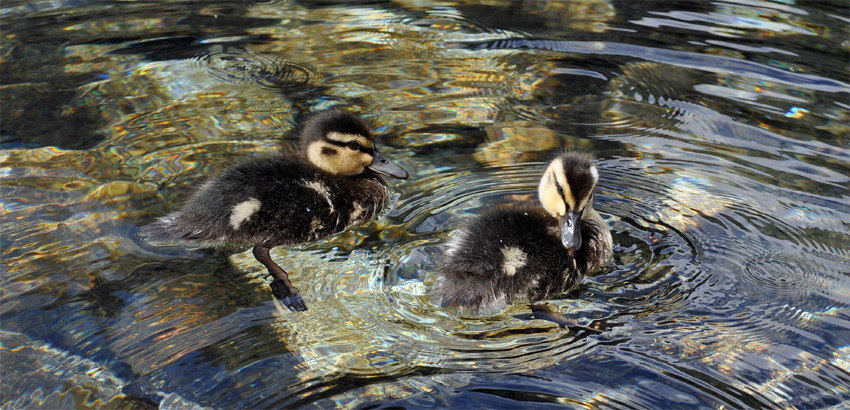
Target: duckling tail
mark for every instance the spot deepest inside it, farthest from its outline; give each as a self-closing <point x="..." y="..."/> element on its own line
<point x="468" y="297"/>
<point x="164" y="230"/>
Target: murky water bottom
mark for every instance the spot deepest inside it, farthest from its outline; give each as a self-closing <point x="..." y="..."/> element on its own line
<point x="721" y="133"/>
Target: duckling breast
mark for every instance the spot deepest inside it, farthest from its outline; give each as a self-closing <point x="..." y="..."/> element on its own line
<point x="366" y="197"/>
<point x="598" y="247"/>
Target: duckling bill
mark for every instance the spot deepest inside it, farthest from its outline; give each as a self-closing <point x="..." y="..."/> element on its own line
<point x="521" y="252"/>
<point x="333" y="183"/>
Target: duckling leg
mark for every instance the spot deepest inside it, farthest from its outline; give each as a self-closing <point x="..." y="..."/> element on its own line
<point x="282" y="288"/>
<point x="542" y="311"/>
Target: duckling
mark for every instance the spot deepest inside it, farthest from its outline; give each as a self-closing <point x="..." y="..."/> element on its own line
<point x="331" y="184"/>
<point x="523" y="252"/>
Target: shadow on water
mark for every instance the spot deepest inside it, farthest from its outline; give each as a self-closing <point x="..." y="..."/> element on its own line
<point x="720" y="131"/>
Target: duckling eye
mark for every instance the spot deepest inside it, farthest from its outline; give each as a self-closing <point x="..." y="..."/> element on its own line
<point x="560" y="189"/>
<point x="353" y="145"/>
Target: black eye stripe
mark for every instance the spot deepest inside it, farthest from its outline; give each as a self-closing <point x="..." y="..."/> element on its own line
<point x="558" y="185"/>
<point x="338" y="143"/>
<point x="561" y="191"/>
<point x="363" y="149"/>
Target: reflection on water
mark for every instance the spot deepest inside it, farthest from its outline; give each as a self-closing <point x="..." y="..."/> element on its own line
<point x="721" y="132"/>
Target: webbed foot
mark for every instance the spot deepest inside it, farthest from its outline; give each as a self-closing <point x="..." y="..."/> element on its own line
<point x="542" y="311"/>
<point x="292" y="300"/>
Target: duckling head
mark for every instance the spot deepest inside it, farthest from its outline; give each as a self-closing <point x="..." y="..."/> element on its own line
<point x="566" y="192"/>
<point x="341" y="143"/>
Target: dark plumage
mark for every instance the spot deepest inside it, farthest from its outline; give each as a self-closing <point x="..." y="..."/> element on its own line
<point x="284" y="200"/>
<point x="297" y="210"/>
<point x="519" y="252"/>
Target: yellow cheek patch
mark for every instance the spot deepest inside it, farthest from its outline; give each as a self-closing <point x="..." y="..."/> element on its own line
<point x="352" y="162"/>
<point x="551" y="201"/>
<point x="337" y="160"/>
<point x="364" y="159"/>
<point x="321" y="160"/>
<point x="562" y="180"/>
<point x="548" y="191"/>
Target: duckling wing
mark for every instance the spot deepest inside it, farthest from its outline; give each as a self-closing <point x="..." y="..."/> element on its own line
<point x="502" y="255"/>
<point x="275" y="200"/>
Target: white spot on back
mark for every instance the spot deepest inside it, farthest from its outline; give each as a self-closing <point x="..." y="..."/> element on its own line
<point x="515" y="259"/>
<point x="322" y="190"/>
<point x="243" y="211"/>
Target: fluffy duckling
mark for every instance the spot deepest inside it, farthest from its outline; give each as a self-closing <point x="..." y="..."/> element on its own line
<point x="520" y="252"/>
<point x="285" y="199"/>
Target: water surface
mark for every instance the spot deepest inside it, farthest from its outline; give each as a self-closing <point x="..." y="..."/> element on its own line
<point x="721" y="132"/>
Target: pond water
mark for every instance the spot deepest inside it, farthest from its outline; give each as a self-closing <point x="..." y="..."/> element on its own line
<point x="721" y="132"/>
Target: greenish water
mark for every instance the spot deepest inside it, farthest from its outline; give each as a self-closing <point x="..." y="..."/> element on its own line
<point x="721" y="129"/>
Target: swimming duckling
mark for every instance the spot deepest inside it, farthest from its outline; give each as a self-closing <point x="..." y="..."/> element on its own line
<point x="286" y="199"/>
<point x="520" y="252"/>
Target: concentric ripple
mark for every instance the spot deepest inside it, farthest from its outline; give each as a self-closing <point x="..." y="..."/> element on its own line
<point x="782" y="272"/>
<point x="235" y="65"/>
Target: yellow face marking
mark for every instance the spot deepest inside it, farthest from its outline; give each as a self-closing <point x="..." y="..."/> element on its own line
<point x="340" y="160"/>
<point x="551" y="199"/>
<point x="317" y="158"/>
<point x="565" y="186"/>
<point x="559" y="203"/>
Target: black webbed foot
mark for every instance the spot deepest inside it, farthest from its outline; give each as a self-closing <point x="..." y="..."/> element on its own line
<point x="281" y="292"/>
<point x="542" y="311"/>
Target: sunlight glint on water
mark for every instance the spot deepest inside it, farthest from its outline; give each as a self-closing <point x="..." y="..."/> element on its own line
<point x="721" y="132"/>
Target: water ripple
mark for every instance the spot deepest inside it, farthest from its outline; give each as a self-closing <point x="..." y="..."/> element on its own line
<point x="235" y="65"/>
<point x="704" y="62"/>
<point x="783" y="272"/>
<point x="723" y="179"/>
